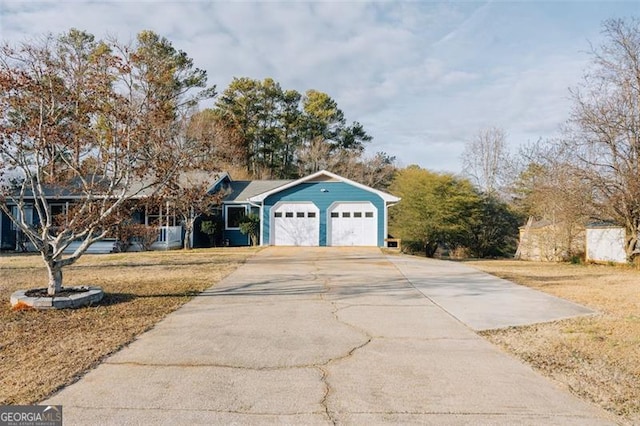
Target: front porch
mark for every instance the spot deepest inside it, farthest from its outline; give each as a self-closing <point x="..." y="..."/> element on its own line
<point x="168" y="238"/>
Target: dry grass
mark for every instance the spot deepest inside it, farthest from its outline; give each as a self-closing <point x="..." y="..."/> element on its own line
<point x="597" y="357"/>
<point x="41" y="351"/>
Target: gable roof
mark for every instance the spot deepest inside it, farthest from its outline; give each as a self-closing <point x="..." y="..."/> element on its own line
<point x="322" y="176"/>
<point x="243" y="190"/>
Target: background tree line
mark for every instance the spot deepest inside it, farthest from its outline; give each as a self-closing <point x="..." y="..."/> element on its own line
<point x="263" y="131"/>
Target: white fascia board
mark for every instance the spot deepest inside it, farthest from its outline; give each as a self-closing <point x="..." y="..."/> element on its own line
<point x="220" y="178"/>
<point x="385" y="196"/>
<point x="235" y="202"/>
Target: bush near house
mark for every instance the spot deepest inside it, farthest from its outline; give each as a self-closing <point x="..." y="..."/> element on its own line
<point x="250" y="225"/>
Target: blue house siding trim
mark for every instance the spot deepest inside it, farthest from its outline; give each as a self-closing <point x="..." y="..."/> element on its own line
<point x="7" y="234"/>
<point x="236" y="238"/>
<point x="334" y="192"/>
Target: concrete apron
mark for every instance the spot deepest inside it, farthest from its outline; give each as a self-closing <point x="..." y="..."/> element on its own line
<point x="316" y="336"/>
<point x="483" y="301"/>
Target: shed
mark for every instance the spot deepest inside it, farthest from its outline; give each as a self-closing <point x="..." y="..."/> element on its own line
<point x="605" y="243"/>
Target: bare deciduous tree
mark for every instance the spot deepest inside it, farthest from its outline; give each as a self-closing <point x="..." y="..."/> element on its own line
<point x="485" y="160"/>
<point x="550" y="190"/>
<point x="190" y="197"/>
<point x="604" y="128"/>
<point x="95" y="122"/>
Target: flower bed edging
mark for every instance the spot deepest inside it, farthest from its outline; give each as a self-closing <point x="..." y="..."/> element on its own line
<point x="87" y="295"/>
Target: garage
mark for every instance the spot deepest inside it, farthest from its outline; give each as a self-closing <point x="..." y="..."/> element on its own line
<point x="295" y="224"/>
<point x="321" y="209"/>
<point x="352" y="224"/>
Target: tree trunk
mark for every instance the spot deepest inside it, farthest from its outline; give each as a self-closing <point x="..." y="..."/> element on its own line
<point x="55" y="278"/>
<point x="188" y="226"/>
<point x="430" y="249"/>
<point x="631" y="247"/>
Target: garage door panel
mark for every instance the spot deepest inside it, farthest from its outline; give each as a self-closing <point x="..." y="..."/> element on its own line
<point x="295" y="224"/>
<point x="353" y="224"/>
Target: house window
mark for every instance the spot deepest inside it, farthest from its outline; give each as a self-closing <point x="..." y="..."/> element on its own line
<point x="288" y="214"/>
<point x="58" y="214"/>
<point x="17" y="213"/>
<point x="357" y="214"/>
<point x="299" y="214"/>
<point x="346" y="214"/>
<point x="368" y="214"/>
<point x="335" y="214"/>
<point x="277" y="214"/>
<point x="311" y="214"/>
<point x="154" y="216"/>
<point x="161" y="215"/>
<point x="234" y="216"/>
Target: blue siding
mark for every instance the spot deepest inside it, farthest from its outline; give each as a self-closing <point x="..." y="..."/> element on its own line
<point x="7" y="235"/>
<point x="335" y="192"/>
<point x="236" y="238"/>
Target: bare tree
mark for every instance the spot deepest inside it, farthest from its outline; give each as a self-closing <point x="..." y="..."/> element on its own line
<point x="190" y="197"/>
<point x="485" y="160"/>
<point x="603" y="135"/>
<point x="316" y="155"/>
<point x="94" y="122"/>
<point x="550" y="190"/>
<point x="376" y="171"/>
<point x="218" y="142"/>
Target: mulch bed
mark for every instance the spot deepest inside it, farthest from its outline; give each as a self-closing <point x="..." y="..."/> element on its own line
<point x="64" y="292"/>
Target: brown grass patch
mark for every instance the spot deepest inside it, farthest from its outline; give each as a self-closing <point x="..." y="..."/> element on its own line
<point x="597" y="357"/>
<point x="41" y="351"/>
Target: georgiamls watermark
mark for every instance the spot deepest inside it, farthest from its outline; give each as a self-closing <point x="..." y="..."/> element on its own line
<point x="30" y="415"/>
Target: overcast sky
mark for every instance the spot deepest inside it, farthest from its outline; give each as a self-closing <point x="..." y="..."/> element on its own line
<point x="422" y="77"/>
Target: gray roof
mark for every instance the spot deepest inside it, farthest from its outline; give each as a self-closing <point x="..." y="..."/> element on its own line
<point x="242" y="190"/>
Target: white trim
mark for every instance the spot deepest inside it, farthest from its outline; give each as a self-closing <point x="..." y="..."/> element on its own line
<point x="262" y="242"/>
<point x="385" y="196"/>
<point x="386" y="225"/>
<point x="219" y="179"/>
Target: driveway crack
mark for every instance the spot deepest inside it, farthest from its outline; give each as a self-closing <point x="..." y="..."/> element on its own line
<point x="323" y="368"/>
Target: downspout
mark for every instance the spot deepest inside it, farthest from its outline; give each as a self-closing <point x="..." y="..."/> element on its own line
<point x="386" y="221"/>
<point x="193" y="221"/>
<point x="261" y="221"/>
<point x="166" y="243"/>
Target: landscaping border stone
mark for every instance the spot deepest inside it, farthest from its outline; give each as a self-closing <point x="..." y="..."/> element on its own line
<point x="86" y="295"/>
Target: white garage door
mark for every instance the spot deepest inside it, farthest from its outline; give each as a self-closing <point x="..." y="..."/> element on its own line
<point x="295" y="224"/>
<point x="353" y="224"/>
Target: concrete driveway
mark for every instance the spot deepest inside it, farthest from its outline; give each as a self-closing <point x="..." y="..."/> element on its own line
<point x="324" y="336"/>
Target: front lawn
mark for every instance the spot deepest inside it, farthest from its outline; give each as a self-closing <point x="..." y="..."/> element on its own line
<point x="597" y="357"/>
<point x="41" y="351"/>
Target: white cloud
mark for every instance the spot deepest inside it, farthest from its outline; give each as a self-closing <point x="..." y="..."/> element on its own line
<point x="422" y="77"/>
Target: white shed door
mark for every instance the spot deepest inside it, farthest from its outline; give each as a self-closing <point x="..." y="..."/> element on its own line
<point x="295" y="224"/>
<point x="353" y="224"/>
